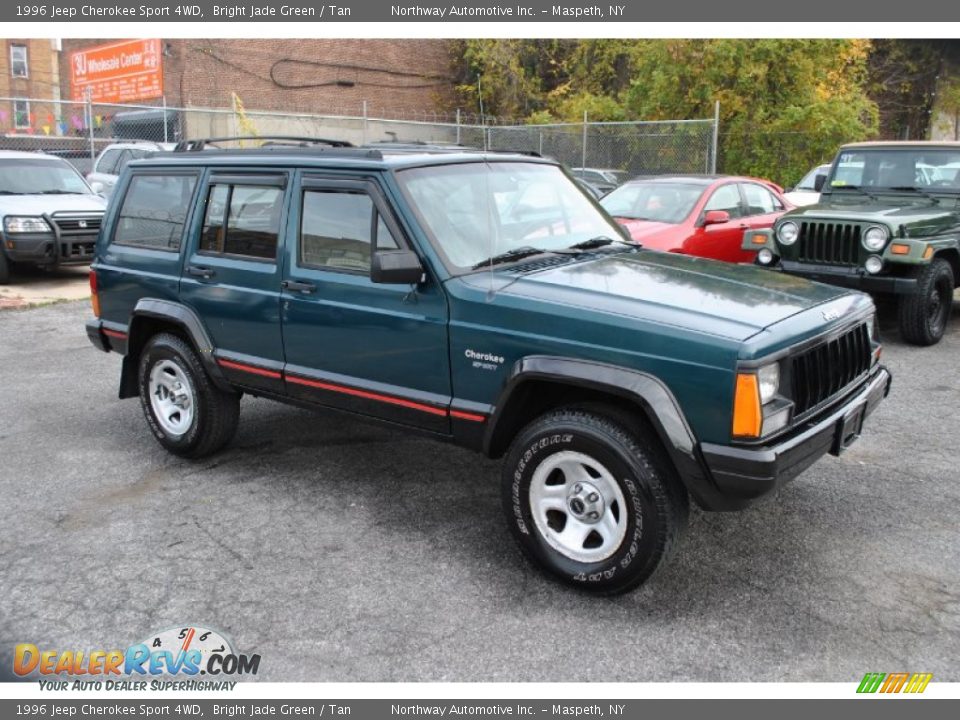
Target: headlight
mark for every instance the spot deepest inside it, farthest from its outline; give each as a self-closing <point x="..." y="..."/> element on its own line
<point x="875" y="238"/>
<point x="787" y="233"/>
<point x="769" y="380"/>
<point x="25" y="225"/>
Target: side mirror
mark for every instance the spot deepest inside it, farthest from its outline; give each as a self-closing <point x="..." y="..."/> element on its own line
<point x="818" y="182"/>
<point x="396" y="267"/>
<point x="97" y="187"/>
<point x="715" y="217"/>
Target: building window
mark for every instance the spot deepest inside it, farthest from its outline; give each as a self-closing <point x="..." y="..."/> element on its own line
<point x="21" y="113"/>
<point x="18" y="61"/>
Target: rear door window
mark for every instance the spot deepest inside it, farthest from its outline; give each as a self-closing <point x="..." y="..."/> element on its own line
<point x="242" y="220"/>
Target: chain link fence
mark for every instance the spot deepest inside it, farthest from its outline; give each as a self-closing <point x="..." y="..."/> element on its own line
<point x="78" y="131"/>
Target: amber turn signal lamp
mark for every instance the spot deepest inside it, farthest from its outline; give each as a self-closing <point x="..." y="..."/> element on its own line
<point x="94" y="299"/>
<point x="900" y="249"/>
<point x="759" y="240"/>
<point x="747" y="417"/>
<point x="928" y="253"/>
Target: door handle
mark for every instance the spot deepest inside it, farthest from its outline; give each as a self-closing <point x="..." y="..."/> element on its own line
<point x="200" y="272"/>
<point x="299" y="286"/>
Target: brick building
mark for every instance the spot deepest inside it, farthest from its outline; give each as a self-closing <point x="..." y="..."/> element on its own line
<point x="396" y="78"/>
<point x="29" y="76"/>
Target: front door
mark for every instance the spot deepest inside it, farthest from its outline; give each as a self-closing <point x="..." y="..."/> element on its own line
<point x="722" y="241"/>
<point x="232" y="273"/>
<point x="375" y="349"/>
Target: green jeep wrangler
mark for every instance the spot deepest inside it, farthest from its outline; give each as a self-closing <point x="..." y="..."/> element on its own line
<point x="483" y="300"/>
<point x="888" y="222"/>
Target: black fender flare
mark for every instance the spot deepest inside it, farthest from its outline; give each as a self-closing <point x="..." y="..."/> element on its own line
<point x="645" y="391"/>
<point x="182" y="317"/>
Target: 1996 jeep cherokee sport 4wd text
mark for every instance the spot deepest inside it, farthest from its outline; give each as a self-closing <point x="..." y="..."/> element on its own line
<point x="483" y="300"/>
<point x="887" y="222"/>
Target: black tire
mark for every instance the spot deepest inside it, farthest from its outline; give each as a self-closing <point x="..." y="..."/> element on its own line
<point x="4" y="268"/>
<point x="924" y="314"/>
<point x="656" y="504"/>
<point x="214" y="413"/>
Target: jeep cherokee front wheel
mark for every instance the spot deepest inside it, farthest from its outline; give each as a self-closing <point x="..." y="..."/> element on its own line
<point x="188" y="415"/>
<point x="592" y="502"/>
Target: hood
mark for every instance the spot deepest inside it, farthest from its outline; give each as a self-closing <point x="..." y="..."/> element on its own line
<point x="916" y="217"/>
<point x="49" y="204"/>
<point x="656" y="235"/>
<point x="715" y="298"/>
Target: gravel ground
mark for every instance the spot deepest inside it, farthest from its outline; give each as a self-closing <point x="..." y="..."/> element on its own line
<point x="339" y="550"/>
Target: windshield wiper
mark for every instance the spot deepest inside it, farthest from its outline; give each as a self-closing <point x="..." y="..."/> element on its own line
<point x="510" y="255"/>
<point x="854" y="187"/>
<point x="911" y="188"/>
<point x="597" y="242"/>
<point x="10" y="192"/>
<point x="58" y="192"/>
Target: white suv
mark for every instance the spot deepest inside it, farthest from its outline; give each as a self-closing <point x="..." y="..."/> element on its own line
<point x="113" y="158"/>
<point x="48" y="214"/>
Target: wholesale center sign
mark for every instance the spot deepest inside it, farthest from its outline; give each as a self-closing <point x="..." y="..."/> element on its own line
<point x="124" y="71"/>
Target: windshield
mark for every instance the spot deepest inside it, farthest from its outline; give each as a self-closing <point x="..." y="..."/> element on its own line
<point x="809" y="180"/>
<point x="475" y="211"/>
<point x="656" y="201"/>
<point x="29" y="176"/>
<point x="902" y="168"/>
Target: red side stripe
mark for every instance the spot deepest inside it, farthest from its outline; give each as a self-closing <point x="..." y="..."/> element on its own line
<point x="442" y="412"/>
<point x="115" y="334"/>
<point x="249" y="368"/>
<point x="472" y="417"/>
<point x="368" y="395"/>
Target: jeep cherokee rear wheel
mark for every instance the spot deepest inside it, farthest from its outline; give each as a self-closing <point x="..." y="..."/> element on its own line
<point x="590" y="501"/>
<point x="924" y="314"/>
<point x="188" y="415"/>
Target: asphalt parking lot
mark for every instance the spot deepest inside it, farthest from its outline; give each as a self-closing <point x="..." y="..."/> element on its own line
<point x="343" y="551"/>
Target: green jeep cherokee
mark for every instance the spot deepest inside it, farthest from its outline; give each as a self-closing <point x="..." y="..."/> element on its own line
<point x="888" y="222"/>
<point x="485" y="300"/>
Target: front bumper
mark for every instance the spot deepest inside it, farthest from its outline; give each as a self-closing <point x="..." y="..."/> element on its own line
<point x="747" y="473"/>
<point x="850" y="277"/>
<point x="46" y="249"/>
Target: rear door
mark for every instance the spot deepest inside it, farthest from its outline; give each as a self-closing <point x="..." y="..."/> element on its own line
<point x="231" y="275"/>
<point x="375" y="349"/>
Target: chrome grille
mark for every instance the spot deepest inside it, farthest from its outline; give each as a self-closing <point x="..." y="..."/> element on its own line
<point x="823" y="371"/>
<point x="78" y="224"/>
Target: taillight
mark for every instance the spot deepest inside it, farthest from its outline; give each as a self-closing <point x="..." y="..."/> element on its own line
<point x="94" y="298"/>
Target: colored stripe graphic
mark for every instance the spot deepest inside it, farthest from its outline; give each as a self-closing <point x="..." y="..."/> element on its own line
<point x="871" y="682"/>
<point x="894" y="682"/>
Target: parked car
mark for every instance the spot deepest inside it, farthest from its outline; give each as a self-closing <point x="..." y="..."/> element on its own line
<point x="594" y="192"/>
<point x="603" y="179"/>
<point x="484" y="300"/>
<point x="806" y="192"/>
<point x="49" y="214"/>
<point x="697" y="215"/>
<point x="113" y="158"/>
<point x="888" y="223"/>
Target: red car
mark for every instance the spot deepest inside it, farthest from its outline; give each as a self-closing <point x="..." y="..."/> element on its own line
<point x="696" y="214"/>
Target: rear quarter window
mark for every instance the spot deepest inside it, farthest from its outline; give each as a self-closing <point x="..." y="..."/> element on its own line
<point x="154" y="211"/>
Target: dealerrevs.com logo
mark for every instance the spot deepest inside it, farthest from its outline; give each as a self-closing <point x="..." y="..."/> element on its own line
<point x="891" y="683"/>
<point x="180" y="652"/>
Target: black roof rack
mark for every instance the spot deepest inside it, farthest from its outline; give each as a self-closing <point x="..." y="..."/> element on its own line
<point x="265" y="140"/>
